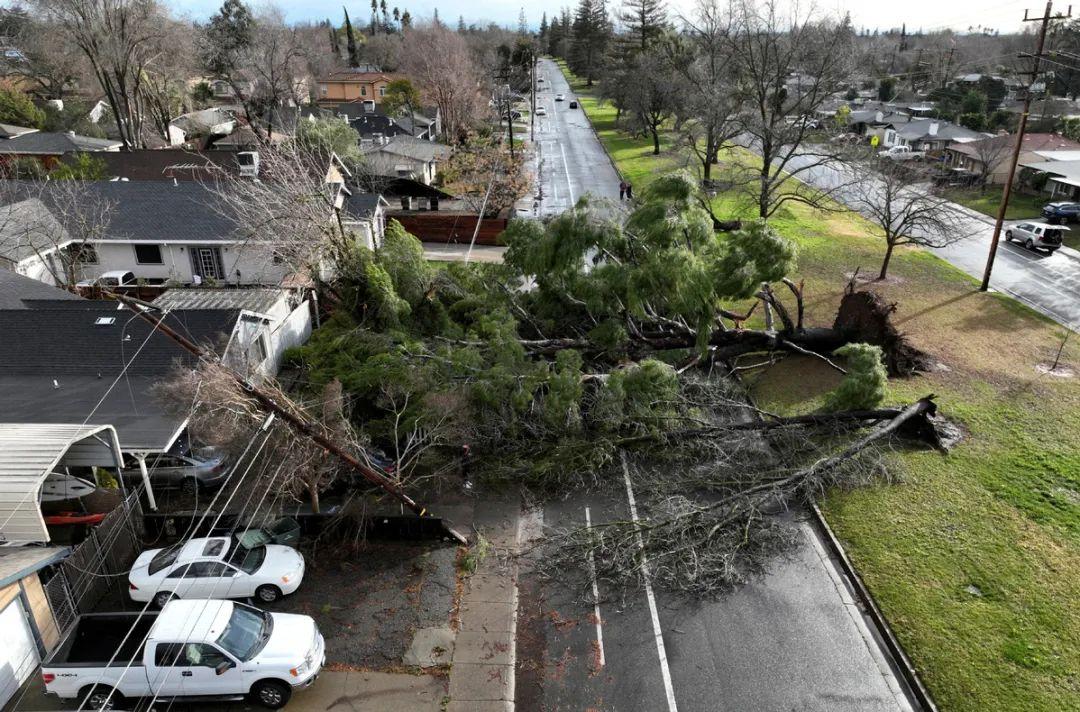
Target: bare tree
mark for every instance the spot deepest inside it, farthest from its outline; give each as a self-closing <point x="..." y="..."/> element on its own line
<point x="484" y="174"/>
<point x="165" y="79"/>
<point x="440" y="64"/>
<point x="706" y="107"/>
<point x="989" y="154"/>
<point x="648" y="96"/>
<point x="120" y="38"/>
<point x="905" y="213"/>
<point x="51" y="68"/>
<point x="785" y="68"/>
<point x="56" y="221"/>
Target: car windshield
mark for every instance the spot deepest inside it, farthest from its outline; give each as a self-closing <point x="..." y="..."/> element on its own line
<point x="249" y="560"/>
<point x="163" y="559"/>
<point x="246" y="632"/>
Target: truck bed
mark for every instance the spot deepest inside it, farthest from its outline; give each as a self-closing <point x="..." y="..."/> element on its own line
<point x="98" y="636"/>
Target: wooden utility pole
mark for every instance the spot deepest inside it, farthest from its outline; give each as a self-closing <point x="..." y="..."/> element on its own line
<point x="532" y="111"/>
<point x="302" y="425"/>
<point x="1006" y="191"/>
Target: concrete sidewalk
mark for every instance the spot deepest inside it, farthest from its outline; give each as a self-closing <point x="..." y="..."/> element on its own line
<point x="485" y="652"/>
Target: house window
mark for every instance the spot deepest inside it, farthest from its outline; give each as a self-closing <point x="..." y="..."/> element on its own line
<point x="363" y="91"/>
<point x="382" y="91"/>
<point x="258" y="351"/>
<point x="148" y="254"/>
<point x="206" y="262"/>
<point x="323" y="90"/>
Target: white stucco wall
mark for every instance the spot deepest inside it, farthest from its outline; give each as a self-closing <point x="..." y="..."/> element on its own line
<point x="255" y="263"/>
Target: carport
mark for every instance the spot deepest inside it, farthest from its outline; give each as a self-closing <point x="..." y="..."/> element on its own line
<point x="28" y="453"/>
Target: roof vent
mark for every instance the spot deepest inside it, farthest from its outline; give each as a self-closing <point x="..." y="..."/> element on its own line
<point x="105" y="320"/>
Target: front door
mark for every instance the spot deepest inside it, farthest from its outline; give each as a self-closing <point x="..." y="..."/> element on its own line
<point x="206" y="262"/>
<point x="167" y="679"/>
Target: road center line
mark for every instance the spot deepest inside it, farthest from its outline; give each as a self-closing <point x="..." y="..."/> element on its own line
<point x="665" y="673"/>
<point x="566" y="171"/>
<point x="595" y="593"/>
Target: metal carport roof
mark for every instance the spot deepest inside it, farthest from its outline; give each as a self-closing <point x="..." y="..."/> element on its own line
<point x="28" y="453"/>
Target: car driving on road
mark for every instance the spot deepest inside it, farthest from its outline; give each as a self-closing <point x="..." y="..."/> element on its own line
<point x="541" y="111"/>
<point x="216" y="567"/>
<point x="1036" y="236"/>
<point x="1061" y="212"/>
<point x="560" y="97"/>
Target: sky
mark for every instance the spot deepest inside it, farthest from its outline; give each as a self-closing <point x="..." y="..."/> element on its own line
<point x="925" y="14"/>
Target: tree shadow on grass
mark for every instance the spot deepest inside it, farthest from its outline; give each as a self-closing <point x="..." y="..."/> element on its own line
<point x="951" y="301"/>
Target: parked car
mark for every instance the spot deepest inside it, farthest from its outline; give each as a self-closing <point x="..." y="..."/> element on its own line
<point x="192" y="649"/>
<point x="201" y="470"/>
<point x="573" y="104"/>
<point x="560" y="97"/>
<point x="216" y="567"/>
<point x="1034" y="236"/>
<point x="541" y="111"/>
<point x="1061" y="212"/>
<point x="115" y="278"/>
<point x="900" y="153"/>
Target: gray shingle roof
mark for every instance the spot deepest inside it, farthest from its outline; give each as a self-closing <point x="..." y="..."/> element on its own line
<point x="946" y="131"/>
<point x="362" y="205"/>
<point x="156" y="211"/>
<point x="40" y="143"/>
<point x="415" y="148"/>
<point x="59" y="363"/>
<point x="16" y="290"/>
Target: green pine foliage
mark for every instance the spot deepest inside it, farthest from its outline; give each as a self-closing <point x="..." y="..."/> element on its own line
<point x="864" y="386"/>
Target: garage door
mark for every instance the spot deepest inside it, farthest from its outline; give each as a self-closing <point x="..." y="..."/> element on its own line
<point x="18" y="655"/>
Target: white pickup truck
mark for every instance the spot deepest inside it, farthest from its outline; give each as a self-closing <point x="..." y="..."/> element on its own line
<point x="192" y="649"/>
<point x="900" y="153"/>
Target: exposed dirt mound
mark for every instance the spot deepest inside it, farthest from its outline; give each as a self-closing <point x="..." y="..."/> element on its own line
<point x="865" y="317"/>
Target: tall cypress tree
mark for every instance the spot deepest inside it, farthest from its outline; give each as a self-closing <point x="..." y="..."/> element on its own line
<point x="543" y="26"/>
<point x="354" y="54"/>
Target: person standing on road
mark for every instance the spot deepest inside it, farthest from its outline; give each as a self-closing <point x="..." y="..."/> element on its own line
<point x="622" y="189"/>
<point x="629" y="191"/>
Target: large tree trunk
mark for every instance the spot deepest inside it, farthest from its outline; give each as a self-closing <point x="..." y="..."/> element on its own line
<point x="655" y="140"/>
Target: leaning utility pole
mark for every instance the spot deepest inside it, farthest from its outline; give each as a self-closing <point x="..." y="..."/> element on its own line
<point x="532" y="111"/>
<point x="1006" y="191"/>
<point x="303" y="425"/>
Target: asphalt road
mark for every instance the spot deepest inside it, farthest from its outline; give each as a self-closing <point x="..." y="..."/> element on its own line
<point x="571" y="161"/>
<point x="793" y="640"/>
<point x="1047" y="283"/>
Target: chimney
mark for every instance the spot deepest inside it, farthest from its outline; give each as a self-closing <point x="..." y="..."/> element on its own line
<point x="934" y="126"/>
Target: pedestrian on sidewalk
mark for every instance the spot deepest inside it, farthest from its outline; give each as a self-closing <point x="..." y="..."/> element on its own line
<point x="622" y="189"/>
<point x="629" y="191"/>
<point x="466" y="463"/>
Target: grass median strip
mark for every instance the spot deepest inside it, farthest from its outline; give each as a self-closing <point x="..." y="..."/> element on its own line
<point x="974" y="557"/>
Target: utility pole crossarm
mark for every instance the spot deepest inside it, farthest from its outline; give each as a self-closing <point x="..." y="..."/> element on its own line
<point x="301" y="424"/>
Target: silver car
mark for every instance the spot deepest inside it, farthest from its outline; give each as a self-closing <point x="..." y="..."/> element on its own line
<point x="190" y="473"/>
<point x="1037" y="235"/>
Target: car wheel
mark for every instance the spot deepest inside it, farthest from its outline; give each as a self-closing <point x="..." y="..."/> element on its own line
<point x="267" y="593"/>
<point x="162" y="598"/>
<point x="101" y="697"/>
<point x="1008" y="236"/>
<point x="1030" y="244"/>
<point x="271" y="694"/>
<point x="189" y="487"/>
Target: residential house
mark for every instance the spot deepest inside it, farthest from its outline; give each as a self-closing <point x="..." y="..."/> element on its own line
<point x="48" y="146"/>
<point x="169" y="165"/>
<point x="406" y="157"/>
<point x="164" y="232"/>
<point x="1062" y="169"/>
<point x="269" y="322"/>
<point x="356" y="84"/>
<point x="28" y="626"/>
<point x="207" y="123"/>
<point x="931" y="136"/>
<point x="972" y="156"/>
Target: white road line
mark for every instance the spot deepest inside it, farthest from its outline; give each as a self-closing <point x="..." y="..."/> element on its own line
<point x="665" y="673"/>
<point x="595" y="594"/>
<point x="566" y="171"/>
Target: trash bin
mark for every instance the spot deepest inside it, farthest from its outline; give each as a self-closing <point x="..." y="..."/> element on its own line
<point x="284" y="531"/>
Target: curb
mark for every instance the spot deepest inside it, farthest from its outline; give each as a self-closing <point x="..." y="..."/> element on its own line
<point x="903" y="663"/>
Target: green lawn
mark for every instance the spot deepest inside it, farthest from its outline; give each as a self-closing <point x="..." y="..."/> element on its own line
<point x="974" y="556"/>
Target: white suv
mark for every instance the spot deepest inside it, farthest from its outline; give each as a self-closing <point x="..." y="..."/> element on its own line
<point x="1036" y="235"/>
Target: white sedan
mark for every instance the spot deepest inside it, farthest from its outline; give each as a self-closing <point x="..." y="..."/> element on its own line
<point x="216" y="567"/>
<point x="560" y="97"/>
<point x="541" y="111"/>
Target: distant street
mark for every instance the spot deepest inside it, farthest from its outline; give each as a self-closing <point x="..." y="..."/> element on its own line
<point x="793" y="640"/>
<point x="1047" y="283"/>
<point x="571" y="160"/>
